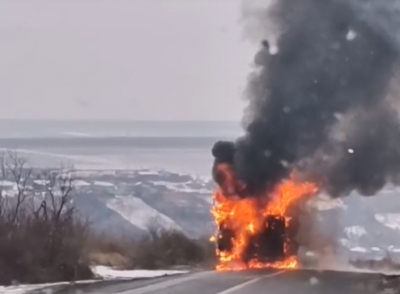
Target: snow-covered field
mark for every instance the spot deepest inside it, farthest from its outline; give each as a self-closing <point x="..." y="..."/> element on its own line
<point x="140" y="214"/>
<point x="129" y="201"/>
<point x="361" y="229"/>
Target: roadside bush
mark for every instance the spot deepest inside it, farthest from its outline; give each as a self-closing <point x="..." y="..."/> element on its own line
<point x="43" y="239"/>
<point x="40" y="240"/>
<point x="156" y="249"/>
<point x="113" y="251"/>
<point x="169" y="248"/>
<point x="38" y="247"/>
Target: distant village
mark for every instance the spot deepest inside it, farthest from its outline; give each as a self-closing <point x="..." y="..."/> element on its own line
<point x="114" y="182"/>
<point x="123" y="201"/>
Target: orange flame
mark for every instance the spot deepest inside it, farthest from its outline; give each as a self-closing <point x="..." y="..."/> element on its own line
<point x="246" y="217"/>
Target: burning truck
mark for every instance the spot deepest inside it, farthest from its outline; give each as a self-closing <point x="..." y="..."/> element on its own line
<point x="322" y="116"/>
<point x="256" y="231"/>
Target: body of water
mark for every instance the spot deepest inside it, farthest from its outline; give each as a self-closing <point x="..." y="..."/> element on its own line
<point x="176" y="146"/>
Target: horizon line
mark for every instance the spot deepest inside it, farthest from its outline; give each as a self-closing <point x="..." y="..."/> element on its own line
<point x="111" y="120"/>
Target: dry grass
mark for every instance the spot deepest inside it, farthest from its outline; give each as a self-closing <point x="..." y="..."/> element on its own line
<point x="114" y="260"/>
<point x="158" y="249"/>
<point x="168" y="248"/>
<point x="109" y="251"/>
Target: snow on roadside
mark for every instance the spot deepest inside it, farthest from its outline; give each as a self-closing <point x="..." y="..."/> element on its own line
<point x="103" y="272"/>
<point x="110" y="273"/>
<point x="26" y="288"/>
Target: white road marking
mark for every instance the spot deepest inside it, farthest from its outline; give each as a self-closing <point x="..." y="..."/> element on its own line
<point x="165" y="284"/>
<point x="240" y="286"/>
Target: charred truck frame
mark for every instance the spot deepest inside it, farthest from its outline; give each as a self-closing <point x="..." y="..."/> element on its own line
<point x="275" y="242"/>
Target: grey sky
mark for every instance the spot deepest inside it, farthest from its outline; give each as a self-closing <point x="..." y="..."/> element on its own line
<point x="138" y="59"/>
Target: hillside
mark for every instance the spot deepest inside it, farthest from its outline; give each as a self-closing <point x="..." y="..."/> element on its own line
<point x="362" y="227"/>
<point x="130" y="202"/>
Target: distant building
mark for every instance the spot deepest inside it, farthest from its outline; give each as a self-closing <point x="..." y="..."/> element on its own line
<point x="81" y="185"/>
<point x="40" y="184"/>
<point x="8" y="188"/>
<point x="104" y="186"/>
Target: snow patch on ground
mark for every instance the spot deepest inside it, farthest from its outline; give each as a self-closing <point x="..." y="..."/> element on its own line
<point x="357" y="231"/>
<point x="41" y="182"/>
<point x="391" y="248"/>
<point x="102" y="272"/>
<point x="104" y="184"/>
<point x="359" y="249"/>
<point x="110" y="273"/>
<point x="346" y="243"/>
<point x="182" y="187"/>
<point x="7" y="184"/>
<point x="140" y="214"/>
<point x="27" y="288"/>
<point x="148" y="172"/>
<point x="80" y="183"/>
<point x="390" y="220"/>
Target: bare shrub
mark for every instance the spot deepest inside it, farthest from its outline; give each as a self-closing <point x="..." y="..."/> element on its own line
<point x="164" y="248"/>
<point x="43" y="239"/>
<point x="40" y="240"/>
<point x="157" y="248"/>
<point x="114" y="251"/>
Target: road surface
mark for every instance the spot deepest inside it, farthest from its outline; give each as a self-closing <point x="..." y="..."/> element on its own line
<point x="254" y="282"/>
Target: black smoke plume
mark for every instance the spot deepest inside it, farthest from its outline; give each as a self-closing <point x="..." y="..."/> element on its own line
<point x="322" y="105"/>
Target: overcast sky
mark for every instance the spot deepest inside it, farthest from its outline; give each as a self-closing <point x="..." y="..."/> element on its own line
<point x="138" y="59"/>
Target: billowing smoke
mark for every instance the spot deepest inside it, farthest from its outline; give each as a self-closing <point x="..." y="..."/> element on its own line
<point x="322" y="105"/>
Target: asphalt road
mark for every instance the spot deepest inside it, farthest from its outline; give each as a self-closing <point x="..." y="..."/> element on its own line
<point x="254" y="282"/>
